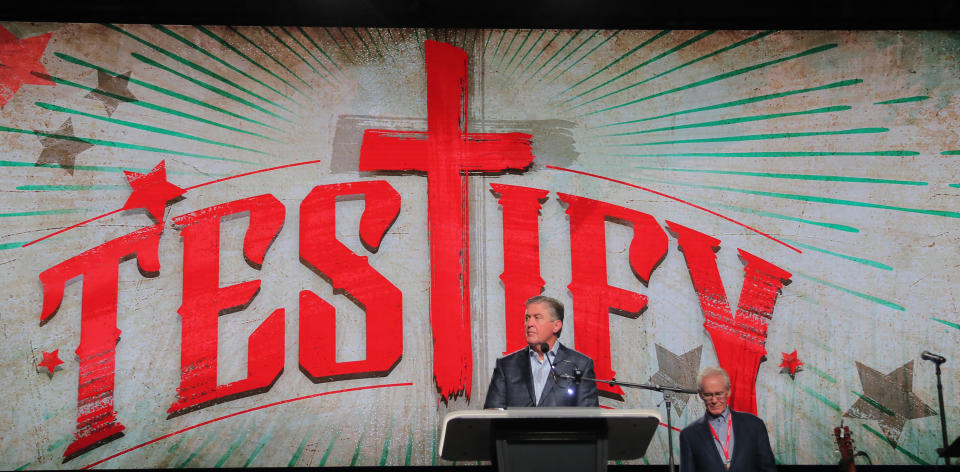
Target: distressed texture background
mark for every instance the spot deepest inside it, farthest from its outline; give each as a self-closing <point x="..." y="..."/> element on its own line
<point x="842" y="144"/>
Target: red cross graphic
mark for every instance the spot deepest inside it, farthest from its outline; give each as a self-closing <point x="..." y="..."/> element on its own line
<point x="446" y="152"/>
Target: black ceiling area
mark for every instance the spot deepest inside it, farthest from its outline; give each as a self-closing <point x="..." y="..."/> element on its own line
<point x="812" y="14"/>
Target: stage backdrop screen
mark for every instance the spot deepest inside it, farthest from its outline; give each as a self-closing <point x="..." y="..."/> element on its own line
<point x="303" y="246"/>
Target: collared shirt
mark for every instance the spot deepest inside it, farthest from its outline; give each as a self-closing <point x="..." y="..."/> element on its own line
<point x="719" y="424"/>
<point x="541" y="369"/>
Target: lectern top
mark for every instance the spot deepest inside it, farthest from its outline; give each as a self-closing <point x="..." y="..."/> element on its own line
<point x="466" y="434"/>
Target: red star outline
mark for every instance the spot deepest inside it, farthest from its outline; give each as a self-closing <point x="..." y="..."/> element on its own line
<point x="50" y="360"/>
<point x="151" y="191"/>
<point x="20" y="63"/>
<point x="791" y="362"/>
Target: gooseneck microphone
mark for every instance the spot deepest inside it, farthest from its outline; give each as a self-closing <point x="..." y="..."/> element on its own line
<point x="936" y="359"/>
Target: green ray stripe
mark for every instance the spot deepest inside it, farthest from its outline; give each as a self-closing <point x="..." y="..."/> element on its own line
<point x="825" y="400"/>
<point x="756" y="137"/>
<point x="527" y="54"/>
<point x="233" y="448"/>
<point x="295" y="53"/>
<point x="407" y="457"/>
<point x="13" y="245"/>
<point x="950" y="153"/>
<point x="256" y="451"/>
<point x="954" y="185"/>
<point x="837" y="254"/>
<point x="811" y="198"/>
<point x="59" y="443"/>
<point x="864" y="296"/>
<point x="842" y="83"/>
<point x="542" y="50"/>
<point x="151" y="106"/>
<point x="349" y="43"/>
<point x="588" y="53"/>
<point x="386" y="444"/>
<point x="823" y="375"/>
<point x="71" y="188"/>
<point x="337" y="43"/>
<point x="520" y="48"/>
<point x="177" y="445"/>
<point x="681" y="66"/>
<point x="572" y="52"/>
<point x="834" y="226"/>
<point x="555" y="54"/>
<point x="730" y="121"/>
<point x="918" y="98"/>
<point x="24" y="466"/>
<point x="373" y="41"/>
<point x="773" y="175"/>
<point x="948" y="323"/>
<point x="185" y="61"/>
<point x="115" y="144"/>
<point x="314" y="43"/>
<point x="648" y="61"/>
<point x="203" y="51"/>
<point x="269" y="56"/>
<point x="718" y="77"/>
<point x="216" y="90"/>
<point x="326" y="453"/>
<point x="497" y="50"/>
<point x="904" y="451"/>
<point x="63" y="211"/>
<point x="506" y="50"/>
<point x="141" y="170"/>
<point x="299" y="452"/>
<point x="362" y="41"/>
<point x="615" y="61"/>
<point x="152" y="129"/>
<point x="240" y="53"/>
<point x="356" y="452"/>
<point x="891" y="153"/>
<point x="197" y="451"/>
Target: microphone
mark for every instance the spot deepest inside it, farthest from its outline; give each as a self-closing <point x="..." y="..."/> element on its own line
<point x="936" y="359"/>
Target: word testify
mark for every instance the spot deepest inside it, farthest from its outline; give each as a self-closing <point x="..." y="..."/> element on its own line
<point x="446" y="153"/>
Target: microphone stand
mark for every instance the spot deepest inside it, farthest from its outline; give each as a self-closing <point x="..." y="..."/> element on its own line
<point x="667" y="391"/>
<point x="943" y="415"/>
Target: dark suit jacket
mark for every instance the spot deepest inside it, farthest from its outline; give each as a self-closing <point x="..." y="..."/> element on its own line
<point x="512" y="382"/>
<point x="751" y="446"/>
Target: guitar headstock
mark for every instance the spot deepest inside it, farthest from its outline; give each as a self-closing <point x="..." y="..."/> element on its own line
<point x="845" y="446"/>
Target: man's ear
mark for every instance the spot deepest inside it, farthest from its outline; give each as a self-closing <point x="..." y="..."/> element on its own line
<point x="555" y="327"/>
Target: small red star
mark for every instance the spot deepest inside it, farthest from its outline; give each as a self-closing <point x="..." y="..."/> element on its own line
<point x="790" y="362"/>
<point x="20" y="63"/>
<point x="50" y="360"/>
<point x="151" y="191"/>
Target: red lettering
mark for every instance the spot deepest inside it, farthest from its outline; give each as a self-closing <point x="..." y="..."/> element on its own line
<point x="738" y="340"/>
<point x="352" y="275"/>
<point x="521" y="255"/>
<point x="593" y="298"/>
<point x="204" y="301"/>
<point x="446" y="153"/>
<point x="96" y="419"/>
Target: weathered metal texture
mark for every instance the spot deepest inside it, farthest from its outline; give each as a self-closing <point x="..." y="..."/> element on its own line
<point x="843" y="145"/>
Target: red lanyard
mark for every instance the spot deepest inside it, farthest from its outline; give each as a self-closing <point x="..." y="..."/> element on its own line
<point x="725" y="447"/>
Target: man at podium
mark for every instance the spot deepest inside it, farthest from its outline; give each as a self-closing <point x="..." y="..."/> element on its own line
<point x="723" y="439"/>
<point x="527" y="377"/>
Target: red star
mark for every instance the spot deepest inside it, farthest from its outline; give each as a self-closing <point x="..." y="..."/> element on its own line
<point x="790" y="362"/>
<point x="20" y="63"/>
<point x="151" y="191"/>
<point x="50" y="360"/>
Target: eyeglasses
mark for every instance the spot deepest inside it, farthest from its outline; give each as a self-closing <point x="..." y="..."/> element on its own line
<point x="710" y="396"/>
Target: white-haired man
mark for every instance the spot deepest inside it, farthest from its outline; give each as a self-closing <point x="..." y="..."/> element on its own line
<point x="723" y="439"/>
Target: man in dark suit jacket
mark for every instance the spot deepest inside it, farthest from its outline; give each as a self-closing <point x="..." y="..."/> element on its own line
<point x="525" y="378"/>
<point x="723" y="440"/>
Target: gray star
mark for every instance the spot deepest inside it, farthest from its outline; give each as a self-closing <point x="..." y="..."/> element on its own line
<point x="62" y="150"/>
<point x="111" y="90"/>
<point x="677" y="371"/>
<point x="889" y="399"/>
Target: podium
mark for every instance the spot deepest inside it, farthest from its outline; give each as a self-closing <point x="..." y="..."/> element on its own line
<point x="555" y="439"/>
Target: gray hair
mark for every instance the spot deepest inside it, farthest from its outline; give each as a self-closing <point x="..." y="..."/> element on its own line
<point x="555" y="307"/>
<point x="711" y="371"/>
